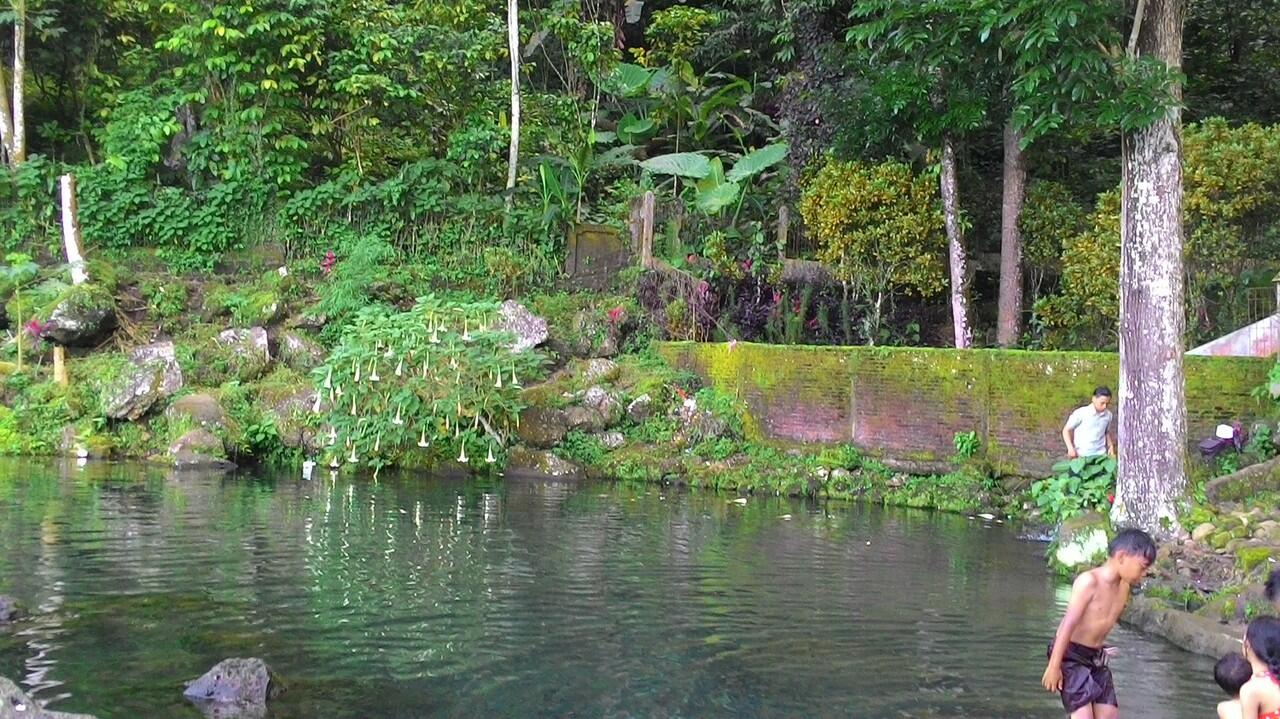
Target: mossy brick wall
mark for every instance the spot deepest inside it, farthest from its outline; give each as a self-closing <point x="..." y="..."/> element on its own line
<point x="906" y="405"/>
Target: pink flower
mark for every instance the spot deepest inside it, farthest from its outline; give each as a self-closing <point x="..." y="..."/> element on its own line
<point x="1111" y="499"/>
<point x="35" y="328"/>
<point x="703" y="288"/>
<point x="691" y="258"/>
<point x="746" y="266"/>
<point x="777" y="297"/>
<point x="330" y="259"/>
<point x="617" y="314"/>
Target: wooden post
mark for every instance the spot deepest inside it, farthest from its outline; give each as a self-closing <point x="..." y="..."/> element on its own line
<point x="71" y="230"/>
<point x="60" y="374"/>
<point x="646" y="230"/>
<point x="75" y="258"/>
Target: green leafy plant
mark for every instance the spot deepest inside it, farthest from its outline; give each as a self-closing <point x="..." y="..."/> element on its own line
<point x="438" y="376"/>
<point x="19" y="270"/>
<point x="967" y="444"/>
<point x="581" y="448"/>
<point x="1077" y="485"/>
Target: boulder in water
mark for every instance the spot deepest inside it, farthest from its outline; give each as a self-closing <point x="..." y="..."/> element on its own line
<point x="9" y="610"/>
<point x="522" y="460"/>
<point x="542" y="427"/>
<point x="199" y="449"/>
<point x="1082" y="541"/>
<point x="236" y="687"/>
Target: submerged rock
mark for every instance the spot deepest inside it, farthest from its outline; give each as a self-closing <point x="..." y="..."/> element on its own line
<point x="15" y="704"/>
<point x="9" y="610"/>
<point x="529" y="329"/>
<point x="236" y="687"/>
<point x="199" y="449"/>
<point x="155" y="376"/>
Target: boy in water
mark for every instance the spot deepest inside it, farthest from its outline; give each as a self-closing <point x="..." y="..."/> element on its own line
<point x="1231" y="672"/>
<point x="1077" y="660"/>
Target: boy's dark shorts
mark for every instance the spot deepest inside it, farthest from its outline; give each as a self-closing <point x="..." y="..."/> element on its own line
<point x="1086" y="679"/>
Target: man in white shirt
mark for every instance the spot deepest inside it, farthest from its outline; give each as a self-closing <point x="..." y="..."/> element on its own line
<point x="1086" y="432"/>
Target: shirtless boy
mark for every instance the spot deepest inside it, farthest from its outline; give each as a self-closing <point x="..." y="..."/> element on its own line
<point x="1077" y="660"/>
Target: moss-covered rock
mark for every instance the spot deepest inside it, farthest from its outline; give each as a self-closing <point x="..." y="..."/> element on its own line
<point x="199" y="449"/>
<point x="1081" y="542"/>
<point x="523" y="460"/>
<point x="1252" y="558"/>
<point x="82" y="316"/>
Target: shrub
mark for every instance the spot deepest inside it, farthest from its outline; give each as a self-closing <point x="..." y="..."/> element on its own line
<point x="880" y="228"/>
<point x="1077" y="485"/>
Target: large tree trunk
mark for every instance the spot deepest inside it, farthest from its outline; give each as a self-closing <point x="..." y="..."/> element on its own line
<point x="955" y="241"/>
<point x="513" y="45"/>
<point x="1153" y="416"/>
<point x="18" y="149"/>
<point x="1009" y="324"/>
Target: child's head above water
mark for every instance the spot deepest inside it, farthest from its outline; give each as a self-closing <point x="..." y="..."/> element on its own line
<point x="1231" y="672"/>
<point x="1133" y="551"/>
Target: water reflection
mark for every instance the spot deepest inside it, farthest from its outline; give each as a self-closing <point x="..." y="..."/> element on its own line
<point x="408" y="597"/>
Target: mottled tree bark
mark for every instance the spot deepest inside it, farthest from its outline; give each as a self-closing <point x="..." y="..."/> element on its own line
<point x="1153" y="417"/>
<point x="18" y="145"/>
<point x="955" y="241"/>
<point x="1009" y="322"/>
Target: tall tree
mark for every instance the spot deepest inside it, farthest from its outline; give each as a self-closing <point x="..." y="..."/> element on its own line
<point x="1153" y="416"/>
<point x="13" y="132"/>
<point x="513" y="47"/>
<point x="1013" y="193"/>
<point x="928" y="73"/>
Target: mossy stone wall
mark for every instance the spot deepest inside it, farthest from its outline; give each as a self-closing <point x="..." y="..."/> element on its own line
<point x="905" y="405"/>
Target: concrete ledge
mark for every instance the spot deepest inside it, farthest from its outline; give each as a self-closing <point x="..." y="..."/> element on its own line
<point x="1193" y="633"/>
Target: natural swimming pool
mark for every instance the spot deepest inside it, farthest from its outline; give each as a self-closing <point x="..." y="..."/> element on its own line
<point x="414" y="596"/>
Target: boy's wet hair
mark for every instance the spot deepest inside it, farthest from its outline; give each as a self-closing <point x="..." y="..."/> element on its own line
<point x="1272" y="587"/>
<point x="1134" y="542"/>
<point x="1231" y="672"/>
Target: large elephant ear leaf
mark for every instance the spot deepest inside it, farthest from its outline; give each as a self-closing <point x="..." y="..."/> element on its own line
<point x="681" y="164"/>
<point x="717" y="198"/>
<point x="757" y="161"/>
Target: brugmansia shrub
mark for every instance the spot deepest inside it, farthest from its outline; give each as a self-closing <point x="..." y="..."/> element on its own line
<point x="437" y="379"/>
<point x="880" y="229"/>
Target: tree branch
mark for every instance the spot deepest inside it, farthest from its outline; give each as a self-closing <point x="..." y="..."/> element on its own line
<point x="1132" y="50"/>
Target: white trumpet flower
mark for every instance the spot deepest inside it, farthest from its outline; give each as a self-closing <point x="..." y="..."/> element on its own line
<point x="328" y="380"/>
<point x="315" y="406"/>
<point x="462" y="456"/>
<point x="397" y="420"/>
<point x="400" y="368"/>
<point x="423" y="441"/>
<point x="489" y="459"/>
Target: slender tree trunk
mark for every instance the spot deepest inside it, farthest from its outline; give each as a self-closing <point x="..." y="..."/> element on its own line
<point x="1153" y="416"/>
<point x="1009" y="324"/>
<point x="513" y="45"/>
<point x="6" y="119"/>
<point x="18" y="151"/>
<point x="955" y="241"/>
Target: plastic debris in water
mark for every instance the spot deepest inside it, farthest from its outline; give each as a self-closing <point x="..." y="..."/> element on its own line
<point x="740" y="500"/>
<point x="307" y="468"/>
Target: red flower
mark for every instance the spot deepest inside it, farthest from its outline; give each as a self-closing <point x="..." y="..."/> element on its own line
<point x="1111" y="499"/>
<point x="777" y="297"/>
<point x="691" y="258"/>
<point x="35" y="328"/>
<point x="746" y="266"/>
<point x="617" y="314"/>
<point x="330" y="259"/>
<point x="681" y="393"/>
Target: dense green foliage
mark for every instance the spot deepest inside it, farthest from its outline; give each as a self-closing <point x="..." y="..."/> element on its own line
<point x="378" y="131"/>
